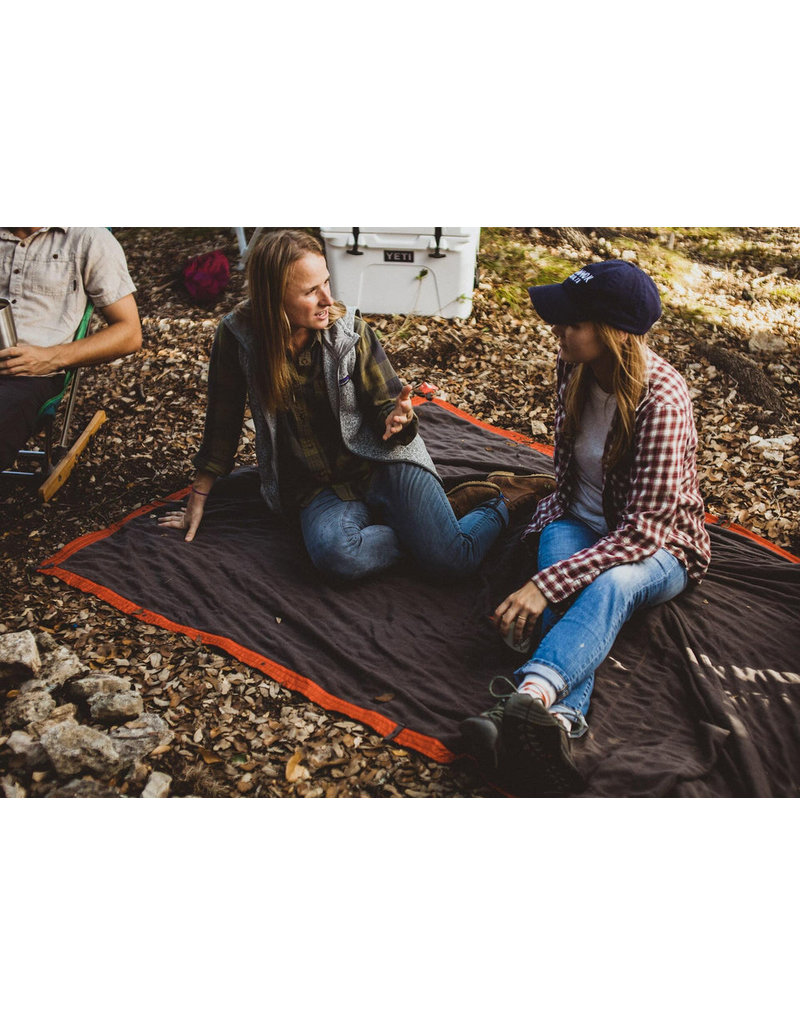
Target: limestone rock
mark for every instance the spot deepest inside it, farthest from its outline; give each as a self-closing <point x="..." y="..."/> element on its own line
<point x="97" y="682"/>
<point x="12" y="789"/>
<point x="61" y="714"/>
<point x="157" y="785"/>
<point x="110" y="708"/>
<point x="35" y="706"/>
<point x="136" y="739"/>
<point x="19" y="656"/>
<point x="28" y="751"/>
<point x="77" y="748"/>
<point x="59" y="664"/>
<point x="85" y="787"/>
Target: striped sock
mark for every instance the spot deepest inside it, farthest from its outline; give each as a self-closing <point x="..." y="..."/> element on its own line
<point x="539" y="688"/>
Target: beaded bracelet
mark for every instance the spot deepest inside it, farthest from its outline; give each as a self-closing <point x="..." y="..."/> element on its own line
<point x="204" y="493"/>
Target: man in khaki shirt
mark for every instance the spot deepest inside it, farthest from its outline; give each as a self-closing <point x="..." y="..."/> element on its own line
<point x="47" y="274"/>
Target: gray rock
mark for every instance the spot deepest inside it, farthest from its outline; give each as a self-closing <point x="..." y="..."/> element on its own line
<point x="77" y="748"/>
<point x="157" y="785"/>
<point x="19" y="656"/>
<point x="765" y="344"/>
<point x="97" y="682"/>
<point x="29" y="752"/>
<point x="12" y="789"/>
<point x="59" y="665"/>
<point x="84" y="788"/>
<point x="136" y="775"/>
<point x="61" y="714"/>
<point x="35" y="706"/>
<point x="136" y="739"/>
<point x="110" y="708"/>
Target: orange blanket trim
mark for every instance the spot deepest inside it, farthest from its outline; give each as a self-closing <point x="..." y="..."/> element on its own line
<point x="744" y="532"/>
<point x="545" y="449"/>
<point x="423" y="744"/>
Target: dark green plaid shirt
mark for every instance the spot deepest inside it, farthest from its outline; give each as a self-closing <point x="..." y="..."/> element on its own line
<point x="311" y="452"/>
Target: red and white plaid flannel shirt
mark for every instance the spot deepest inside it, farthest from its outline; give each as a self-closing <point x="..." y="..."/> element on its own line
<point x="651" y="499"/>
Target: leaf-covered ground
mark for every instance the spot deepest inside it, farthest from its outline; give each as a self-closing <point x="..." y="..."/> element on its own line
<point x="731" y="326"/>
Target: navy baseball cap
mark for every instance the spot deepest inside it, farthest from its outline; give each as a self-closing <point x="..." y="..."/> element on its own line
<point x="611" y="292"/>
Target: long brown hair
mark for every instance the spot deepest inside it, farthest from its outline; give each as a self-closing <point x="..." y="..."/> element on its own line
<point x="268" y="266"/>
<point x="630" y="380"/>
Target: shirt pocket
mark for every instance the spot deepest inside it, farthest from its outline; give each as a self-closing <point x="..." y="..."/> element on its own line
<point x="56" y="277"/>
<point x="56" y="285"/>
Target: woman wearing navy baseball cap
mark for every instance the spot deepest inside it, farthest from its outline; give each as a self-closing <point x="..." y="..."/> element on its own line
<point x="624" y="528"/>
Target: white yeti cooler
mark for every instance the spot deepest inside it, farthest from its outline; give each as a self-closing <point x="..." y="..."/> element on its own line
<point x="429" y="271"/>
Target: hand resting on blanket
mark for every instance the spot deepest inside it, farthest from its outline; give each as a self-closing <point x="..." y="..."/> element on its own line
<point x="189" y="519"/>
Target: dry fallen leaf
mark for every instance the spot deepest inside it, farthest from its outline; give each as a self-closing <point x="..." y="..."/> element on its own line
<point x="293" y="769"/>
<point x="209" y="756"/>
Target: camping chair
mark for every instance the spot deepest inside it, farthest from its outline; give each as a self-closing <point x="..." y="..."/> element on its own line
<point x="56" y="475"/>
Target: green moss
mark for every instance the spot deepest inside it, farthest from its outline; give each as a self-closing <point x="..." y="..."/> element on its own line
<point x="515" y="262"/>
<point x="699" y="313"/>
<point x="698" y="234"/>
<point x="550" y="269"/>
<point x="503" y="251"/>
<point x="513" y="295"/>
<point x="786" y="293"/>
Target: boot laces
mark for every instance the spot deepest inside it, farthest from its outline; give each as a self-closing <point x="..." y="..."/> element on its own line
<point x="496" y="713"/>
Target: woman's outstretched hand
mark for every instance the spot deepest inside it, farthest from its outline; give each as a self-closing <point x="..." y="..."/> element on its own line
<point x="401" y="415"/>
<point x="520" y="610"/>
<point x="189" y="518"/>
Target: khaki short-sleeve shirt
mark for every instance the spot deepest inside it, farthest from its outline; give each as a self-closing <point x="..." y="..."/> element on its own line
<point x="48" y="277"/>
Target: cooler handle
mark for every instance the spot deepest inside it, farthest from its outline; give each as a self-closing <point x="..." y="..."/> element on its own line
<point x="437" y="254"/>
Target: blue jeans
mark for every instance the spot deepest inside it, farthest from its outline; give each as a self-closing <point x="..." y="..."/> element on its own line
<point x="576" y="641"/>
<point x="414" y="518"/>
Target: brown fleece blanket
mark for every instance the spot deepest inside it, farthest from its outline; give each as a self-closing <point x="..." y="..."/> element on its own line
<point x="699" y="697"/>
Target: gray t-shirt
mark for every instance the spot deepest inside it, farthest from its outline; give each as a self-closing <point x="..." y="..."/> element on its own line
<point x="590" y="443"/>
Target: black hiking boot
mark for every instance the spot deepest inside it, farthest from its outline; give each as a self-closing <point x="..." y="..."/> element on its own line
<point x="482" y="733"/>
<point x="537" y="759"/>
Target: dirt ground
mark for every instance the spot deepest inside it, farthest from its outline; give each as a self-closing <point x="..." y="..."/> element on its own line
<point x="731" y="325"/>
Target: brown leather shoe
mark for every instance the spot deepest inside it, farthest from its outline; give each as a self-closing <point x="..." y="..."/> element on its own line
<point x="465" y="497"/>
<point x="523" y="491"/>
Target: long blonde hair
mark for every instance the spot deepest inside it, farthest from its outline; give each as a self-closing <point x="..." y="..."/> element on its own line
<point x="268" y="267"/>
<point x="629" y="381"/>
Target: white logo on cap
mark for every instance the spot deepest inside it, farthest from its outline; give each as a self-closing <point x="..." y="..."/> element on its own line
<point x="581" y="277"/>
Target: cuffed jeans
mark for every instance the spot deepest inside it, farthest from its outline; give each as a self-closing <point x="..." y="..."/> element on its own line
<point x="413" y="517"/>
<point x="576" y="641"/>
